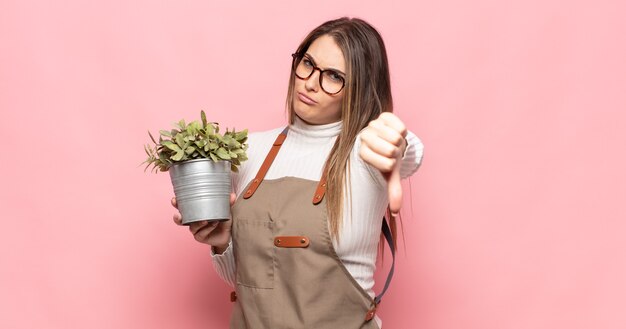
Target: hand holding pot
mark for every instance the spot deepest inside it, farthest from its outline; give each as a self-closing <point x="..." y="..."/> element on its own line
<point x="214" y="233"/>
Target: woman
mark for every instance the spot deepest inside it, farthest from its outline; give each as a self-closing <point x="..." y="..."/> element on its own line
<point x="302" y="245"/>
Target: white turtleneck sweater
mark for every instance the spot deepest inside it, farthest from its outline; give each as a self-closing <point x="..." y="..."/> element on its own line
<point x="303" y="155"/>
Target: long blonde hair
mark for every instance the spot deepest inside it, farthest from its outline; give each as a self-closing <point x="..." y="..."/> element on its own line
<point x="367" y="94"/>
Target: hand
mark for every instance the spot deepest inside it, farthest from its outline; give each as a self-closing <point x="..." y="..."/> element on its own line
<point x="216" y="234"/>
<point x="382" y="146"/>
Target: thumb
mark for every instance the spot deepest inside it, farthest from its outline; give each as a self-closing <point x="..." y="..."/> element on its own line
<point x="394" y="190"/>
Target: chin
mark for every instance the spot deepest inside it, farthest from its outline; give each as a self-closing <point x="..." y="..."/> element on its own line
<point x="303" y="115"/>
<point x="306" y="119"/>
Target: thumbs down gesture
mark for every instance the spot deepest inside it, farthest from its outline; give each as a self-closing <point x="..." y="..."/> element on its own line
<point x="382" y="146"/>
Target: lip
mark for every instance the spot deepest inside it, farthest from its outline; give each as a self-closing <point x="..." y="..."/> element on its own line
<point x="305" y="99"/>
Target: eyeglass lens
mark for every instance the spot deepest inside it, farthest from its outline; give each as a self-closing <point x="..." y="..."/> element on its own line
<point x="330" y="80"/>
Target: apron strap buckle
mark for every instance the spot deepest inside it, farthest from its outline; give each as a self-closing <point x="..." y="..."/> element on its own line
<point x="320" y="191"/>
<point x="371" y="313"/>
<point x="266" y="164"/>
<point x="291" y="241"/>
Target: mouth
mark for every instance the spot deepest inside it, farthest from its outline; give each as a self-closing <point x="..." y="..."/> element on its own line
<point x="305" y="99"/>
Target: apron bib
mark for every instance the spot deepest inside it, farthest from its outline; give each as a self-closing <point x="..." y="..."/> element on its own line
<point x="288" y="274"/>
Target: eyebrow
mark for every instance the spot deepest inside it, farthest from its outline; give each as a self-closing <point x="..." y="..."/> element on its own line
<point x="329" y="68"/>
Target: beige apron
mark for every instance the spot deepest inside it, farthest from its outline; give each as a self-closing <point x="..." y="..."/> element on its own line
<point x="288" y="274"/>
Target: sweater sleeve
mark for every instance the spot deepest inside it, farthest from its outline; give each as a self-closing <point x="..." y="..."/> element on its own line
<point x="224" y="265"/>
<point x="412" y="157"/>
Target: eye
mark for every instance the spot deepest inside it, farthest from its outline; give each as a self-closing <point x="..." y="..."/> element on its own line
<point x="307" y="62"/>
<point x="334" y="76"/>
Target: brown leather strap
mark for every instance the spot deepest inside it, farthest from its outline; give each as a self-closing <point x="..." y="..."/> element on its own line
<point x="266" y="164"/>
<point x="370" y="314"/>
<point x="321" y="189"/>
<point x="291" y="241"/>
<point x="233" y="296"/>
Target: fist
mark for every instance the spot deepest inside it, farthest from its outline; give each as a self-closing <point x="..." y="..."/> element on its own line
<point x="382" y="145"/>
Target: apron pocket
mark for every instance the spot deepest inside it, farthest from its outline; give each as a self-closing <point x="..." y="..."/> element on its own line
<point x="253" y="244"/>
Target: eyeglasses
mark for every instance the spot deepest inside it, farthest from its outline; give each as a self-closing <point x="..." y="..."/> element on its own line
<point x="331" y="81"/>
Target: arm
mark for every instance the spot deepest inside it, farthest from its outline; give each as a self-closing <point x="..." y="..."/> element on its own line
<point x="216" y="234"/>
<point x="391" y="153"/>
<point x="224" y="264"/>
<point x="409" y="162"/>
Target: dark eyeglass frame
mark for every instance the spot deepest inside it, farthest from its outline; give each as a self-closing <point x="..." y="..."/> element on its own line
<point x="297" y="58"/>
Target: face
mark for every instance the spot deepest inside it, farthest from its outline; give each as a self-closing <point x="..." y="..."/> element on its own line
<point x="310" y="102"/>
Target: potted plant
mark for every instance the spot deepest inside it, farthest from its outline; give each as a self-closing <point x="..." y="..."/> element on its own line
<point x="199" y="160"/>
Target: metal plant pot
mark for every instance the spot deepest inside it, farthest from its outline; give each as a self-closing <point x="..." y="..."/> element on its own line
<point x="202" y="188"/>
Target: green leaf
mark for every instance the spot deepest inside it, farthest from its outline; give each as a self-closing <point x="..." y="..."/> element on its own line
<point x="190" y="149"/>
<point x="213" y="157"/>
<point x="180" y="140"/>
<point x="147" y="149"/>
<point x="203" y="117"/>
<point x="193" y="128"/>
<point x="210" y="130"/>
<point x="222" y="153"/>
<point x="241" y="135"/>
<point x="178" y="156"/>
<point x="151" y="137"/>
<point x="172" y="146"/>
<point x="231" y="142"/>
<point x="165" y="133"/>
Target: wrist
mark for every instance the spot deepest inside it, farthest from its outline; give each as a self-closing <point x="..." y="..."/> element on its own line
<point x="218" y="250"/>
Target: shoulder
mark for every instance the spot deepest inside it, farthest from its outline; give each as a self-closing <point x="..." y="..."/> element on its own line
<point x="267" y="134"/>
<point x="259" y="143"/>
<point x="262" y="140"/>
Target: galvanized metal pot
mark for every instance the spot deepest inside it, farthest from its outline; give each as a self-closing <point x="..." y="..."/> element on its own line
<point x="202" y="188"/>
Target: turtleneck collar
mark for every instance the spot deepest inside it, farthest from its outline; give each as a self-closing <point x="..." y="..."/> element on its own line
<point x="327" y="130"/>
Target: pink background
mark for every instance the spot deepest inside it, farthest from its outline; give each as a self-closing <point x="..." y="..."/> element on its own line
<point x="515" y="220"/>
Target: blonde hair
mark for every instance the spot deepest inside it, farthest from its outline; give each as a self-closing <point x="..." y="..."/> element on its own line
<point x="367" y="94"/>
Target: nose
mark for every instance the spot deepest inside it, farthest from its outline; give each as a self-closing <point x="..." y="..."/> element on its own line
<point x="313" y="82"/>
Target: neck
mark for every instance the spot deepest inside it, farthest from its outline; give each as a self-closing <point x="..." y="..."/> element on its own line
<point x="325" y="130"/>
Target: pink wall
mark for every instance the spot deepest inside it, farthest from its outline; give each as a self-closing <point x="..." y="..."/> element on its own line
<point x="517" y="216"/>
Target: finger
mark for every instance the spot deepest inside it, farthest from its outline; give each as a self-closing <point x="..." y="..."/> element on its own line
<point x="392" y="121"/>
<point x="382" y="163"/>
<point x="387" y="133"/>
<point x="196" y="226"/>
<point x="174" y="203"/>
<point x="203" y="233"/>
<point x="178" y="219"/>
<point x="379" y="145"/>
<point x="233" y="198"/>
<point x="394" y="191"/>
